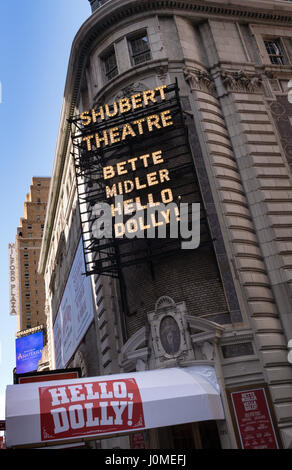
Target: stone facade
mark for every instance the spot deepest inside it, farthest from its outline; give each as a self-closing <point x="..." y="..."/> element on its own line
<point x="232" y="302"/>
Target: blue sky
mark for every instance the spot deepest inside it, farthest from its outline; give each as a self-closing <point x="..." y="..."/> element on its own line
<point x="35" y="44"/>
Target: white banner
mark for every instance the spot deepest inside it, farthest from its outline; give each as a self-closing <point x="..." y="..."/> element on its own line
<point x="75" y="312"/>
<point x="92" y="407"/>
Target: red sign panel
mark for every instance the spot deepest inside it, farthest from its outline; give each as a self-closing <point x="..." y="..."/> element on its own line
<point x="253" y="418"/>
<point x="91" y="408"/>
<point x="2" y="443"/>
<point x="137" y="441"/>
<point x="48" y="377"/>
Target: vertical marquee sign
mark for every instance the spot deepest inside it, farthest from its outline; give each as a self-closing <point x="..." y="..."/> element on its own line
<point x="130" y="156"/>
<point x="12" y="279"/>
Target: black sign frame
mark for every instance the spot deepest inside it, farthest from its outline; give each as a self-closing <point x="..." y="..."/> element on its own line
<point x="110" y="256"/>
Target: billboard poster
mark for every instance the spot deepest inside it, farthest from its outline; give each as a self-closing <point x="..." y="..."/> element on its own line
<point x="28" y="352"/>
<point x="75" y="312"/>
<point x="90" y="409"/>
<point x="254" y="422"/>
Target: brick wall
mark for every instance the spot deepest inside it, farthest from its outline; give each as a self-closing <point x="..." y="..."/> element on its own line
<point x="190" y="277"/>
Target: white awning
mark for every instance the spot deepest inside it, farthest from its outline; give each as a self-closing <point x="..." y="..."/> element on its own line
<point x="92" y="407"/>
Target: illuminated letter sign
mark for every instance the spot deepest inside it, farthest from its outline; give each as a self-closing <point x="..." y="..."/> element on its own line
<point x="135" y="180"/>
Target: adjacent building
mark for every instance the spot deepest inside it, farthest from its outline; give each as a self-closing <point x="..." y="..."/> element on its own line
<point x="196" y="92"/>
<point x="30" y="284"/>
<point x="27" y="289"/>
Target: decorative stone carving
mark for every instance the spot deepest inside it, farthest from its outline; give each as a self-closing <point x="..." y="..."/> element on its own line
<point x="164" y="302"/>
<point x="170" y="338"/>
<point x="162" y="72"/>
<point x="204" y="334"/>
<point x="131" y="89"/>
<point x="79" y="361"/>
<point x="200" y="80"/>
<point x="134" y="353"/>
<point x="140" y="365"/>
<point x="176" y="339"/>
<point x="241" y="81"/>
<point x="169" y="334"/>
<point x="207" y="351"/>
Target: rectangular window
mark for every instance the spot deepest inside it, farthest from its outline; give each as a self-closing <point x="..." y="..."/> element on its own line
<point x="275" y="50"/>
<point x="110" y="64"/>
<point x="139" y="48"/>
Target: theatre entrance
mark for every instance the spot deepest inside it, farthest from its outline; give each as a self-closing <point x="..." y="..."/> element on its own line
<point x="201" y="435"/>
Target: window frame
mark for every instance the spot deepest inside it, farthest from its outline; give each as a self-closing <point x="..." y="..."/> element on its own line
<point x="110" y="51"/>
<point x="283" y="56"/>
<point x="133" y="55"/>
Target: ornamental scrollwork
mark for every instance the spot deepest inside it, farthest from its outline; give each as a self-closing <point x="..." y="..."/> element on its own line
<point x="241" y="81"/>
<point x="200" y="80"/>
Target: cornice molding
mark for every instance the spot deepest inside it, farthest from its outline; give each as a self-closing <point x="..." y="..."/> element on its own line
<point x="257" y="10"/>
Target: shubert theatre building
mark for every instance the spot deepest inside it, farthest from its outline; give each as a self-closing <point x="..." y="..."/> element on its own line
<point x="179" y="346"/>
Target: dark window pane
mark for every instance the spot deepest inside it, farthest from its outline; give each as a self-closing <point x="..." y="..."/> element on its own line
<point x="110" y="65"/>
<point x="140" y="49"/>
<point x="275" y="50"/>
